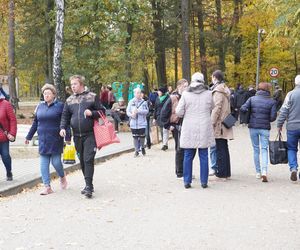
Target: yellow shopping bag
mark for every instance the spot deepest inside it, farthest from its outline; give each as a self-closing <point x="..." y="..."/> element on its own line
<point x="69" y="154"/>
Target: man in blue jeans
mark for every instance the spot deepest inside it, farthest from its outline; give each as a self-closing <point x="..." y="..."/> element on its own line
<point x="290" y="112"/>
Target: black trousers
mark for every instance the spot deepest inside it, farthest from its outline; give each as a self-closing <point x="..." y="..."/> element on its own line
<point x="86" y="148"/>
<point x="148" y="137"/>
<point x="179" y="152"/>
<point x="223" y="158"/>
<point x="118" y="118"/>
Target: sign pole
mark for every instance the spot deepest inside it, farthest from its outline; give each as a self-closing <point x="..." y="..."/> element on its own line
<point x="258" y="58"/>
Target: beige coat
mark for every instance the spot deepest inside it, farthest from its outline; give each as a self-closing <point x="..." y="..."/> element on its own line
<point x="221" y="97"/>
<point x="195" y="108"/>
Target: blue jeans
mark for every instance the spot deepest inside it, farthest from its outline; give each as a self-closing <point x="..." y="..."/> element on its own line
<point x="260" y="139"/>
<point x="6" y="159"/>
<point x="293" y="137"/>
<point x="57" y="164"/>
<point x="189" y="155"/>
<point x="213" y="158"/>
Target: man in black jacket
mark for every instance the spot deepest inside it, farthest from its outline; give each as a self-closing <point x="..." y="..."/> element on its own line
<point x="240" y="97"/>
<point x="172" y="122"/>
<point x="162" y="98"/>
<point x="80" y="110"/>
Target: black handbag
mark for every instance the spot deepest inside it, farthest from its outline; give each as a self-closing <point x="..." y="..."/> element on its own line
<point x="229" y="121"/>
<point x="278" y="151"/>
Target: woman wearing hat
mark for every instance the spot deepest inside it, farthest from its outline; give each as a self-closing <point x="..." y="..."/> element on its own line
<point x="195" y="107"/>
<point x="162" y="98"/>
<point x="47" y="124"/>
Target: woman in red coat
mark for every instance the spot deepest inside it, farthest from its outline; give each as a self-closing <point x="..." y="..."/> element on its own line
<point x="8" y="131"/>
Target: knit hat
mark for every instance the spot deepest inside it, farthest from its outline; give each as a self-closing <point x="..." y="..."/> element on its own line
<point x="197" y="79"/>
<point x="297" y="80"/>
<point x="163" y="90"/>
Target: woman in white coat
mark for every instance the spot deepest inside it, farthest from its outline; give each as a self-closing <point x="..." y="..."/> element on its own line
<point x="195" y="108"/>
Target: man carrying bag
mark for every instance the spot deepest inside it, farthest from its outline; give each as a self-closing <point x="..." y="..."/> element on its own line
<point x="290" y="112"/>
<point x="80" y="111"/>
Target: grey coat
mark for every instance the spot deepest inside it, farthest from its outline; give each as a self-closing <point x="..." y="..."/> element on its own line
<point x="290" y="110"/>
<point x="195" y="108"/>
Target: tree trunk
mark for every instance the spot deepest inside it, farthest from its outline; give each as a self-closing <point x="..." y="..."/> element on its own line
<point x="176" y="59"/>
<point x="146" y="79"/>
<point x="202" y="44"/>
<point x="159" y="43"/>
<point x="128" y="65"/>
<point x="220" y="46"/>
<point x="186" y="57"/>
<point x="57" y="69"/>
<point x="177" y="13"/>
<point x="194" y="41"/>
<point x="11" y="55"/>
<point x="49" y="43"/>
<point x="238" y="40"/>
<point x="296" y="63"/>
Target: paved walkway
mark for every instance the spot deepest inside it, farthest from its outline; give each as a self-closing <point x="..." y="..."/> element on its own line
<point x="26" y="161"/>
<point x="139" y="204"/>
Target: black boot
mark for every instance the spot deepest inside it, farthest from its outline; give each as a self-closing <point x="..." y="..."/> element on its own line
<point x="83" y="191"/>
<point x="88" y="192"/>
<point x="143" y="152"/>
<point x="9" y="176"/>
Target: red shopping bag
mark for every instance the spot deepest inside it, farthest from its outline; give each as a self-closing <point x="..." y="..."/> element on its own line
<point x="104" y="132"/>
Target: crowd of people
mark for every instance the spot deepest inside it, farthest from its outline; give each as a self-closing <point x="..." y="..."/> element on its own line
<point x="195" y="113"/>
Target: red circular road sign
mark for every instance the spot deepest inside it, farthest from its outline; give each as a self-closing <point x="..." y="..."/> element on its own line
<point x="274" y="72"/>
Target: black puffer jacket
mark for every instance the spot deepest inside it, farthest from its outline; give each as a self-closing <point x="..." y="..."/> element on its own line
<point x="157" y="110"/>
<point x="73" y="113"/>
<point x="240" y="97"/>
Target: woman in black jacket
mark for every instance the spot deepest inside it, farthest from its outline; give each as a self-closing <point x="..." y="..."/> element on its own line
<point x="262" y="110"/>
<point x="162" y="98"/>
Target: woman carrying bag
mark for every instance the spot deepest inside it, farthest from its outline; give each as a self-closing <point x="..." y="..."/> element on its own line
<point x="221" y="111"/>
<point x="262" y="112"/>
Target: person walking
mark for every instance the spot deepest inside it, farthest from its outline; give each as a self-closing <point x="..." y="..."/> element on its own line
<point x="148" y="117"/>
<point x="278" y="97"/>
<point x="137" y="111"/>
<point x="221" y="97"/>
<point x="213" y="149"/>
<point x="47" y="124"/>
<point x="162" y="98"/>
<point x="262" y="109"/>
<point x="8" y="132"/>
<point x="118" y="113"/>
<point x="240" y="98"/>
<point x="173" y="123"/>
<point x="80" y="111"/>
<point x="195" y="107"/>
<point x="290" y="112"/>
<point x="251" y="91"/>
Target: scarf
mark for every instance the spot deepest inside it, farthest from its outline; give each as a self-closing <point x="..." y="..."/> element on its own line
<point x="162" y="98"/>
